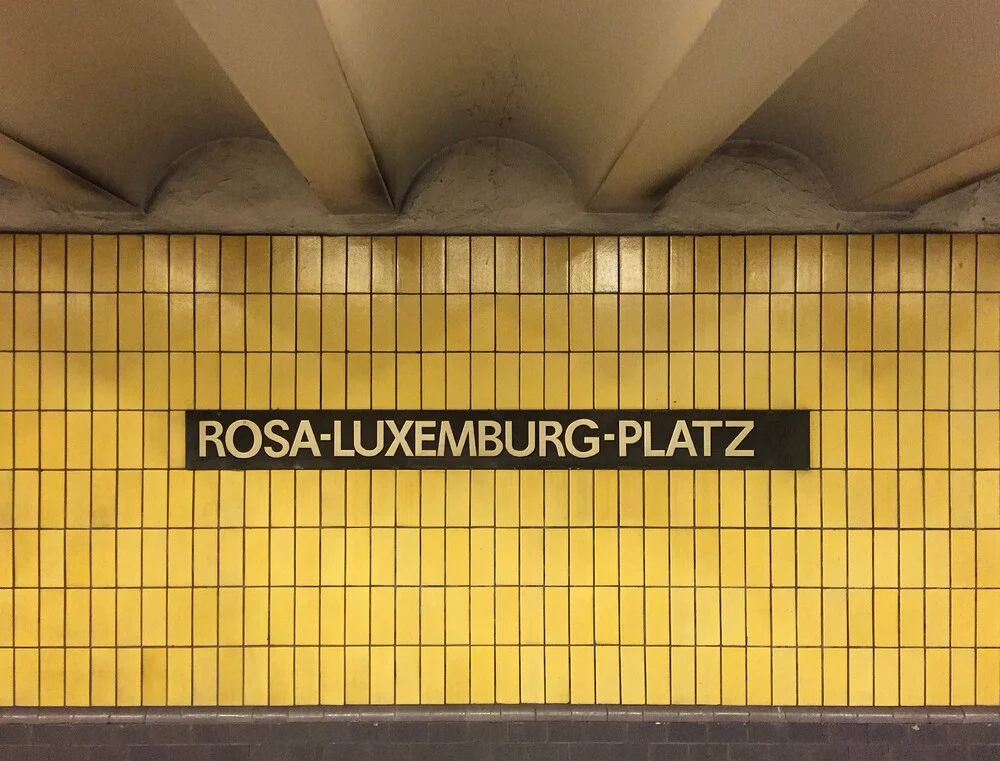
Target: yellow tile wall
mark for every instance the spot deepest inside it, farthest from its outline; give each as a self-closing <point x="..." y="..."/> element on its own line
<point x="872" y="579"/>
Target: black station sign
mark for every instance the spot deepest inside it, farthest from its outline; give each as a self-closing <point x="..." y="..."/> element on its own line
<point x="497" y="439"/>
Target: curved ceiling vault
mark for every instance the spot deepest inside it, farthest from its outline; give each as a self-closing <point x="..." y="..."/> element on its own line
<point x="572" y="77"/>
<point x="896" y="101"/>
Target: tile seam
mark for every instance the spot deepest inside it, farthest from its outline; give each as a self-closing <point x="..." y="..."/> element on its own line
<point x="503" y="713"/>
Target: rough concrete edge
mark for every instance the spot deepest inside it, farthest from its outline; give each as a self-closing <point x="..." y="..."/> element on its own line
<point x="490" y="186"/>
<point x="506" y="713"/>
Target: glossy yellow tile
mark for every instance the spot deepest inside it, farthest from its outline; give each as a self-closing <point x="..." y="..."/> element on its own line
<point x="134" y="582"/>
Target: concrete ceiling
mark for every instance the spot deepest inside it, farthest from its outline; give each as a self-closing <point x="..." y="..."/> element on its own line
<point x="900" y="106"/>
<point x="896" y="101"/>
<point x="112" y="92"/>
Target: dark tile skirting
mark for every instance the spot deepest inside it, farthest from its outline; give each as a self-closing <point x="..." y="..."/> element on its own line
<point x="500" y="733"/>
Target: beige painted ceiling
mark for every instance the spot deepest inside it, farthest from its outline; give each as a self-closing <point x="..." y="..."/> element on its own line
<point x="896" y="101"/>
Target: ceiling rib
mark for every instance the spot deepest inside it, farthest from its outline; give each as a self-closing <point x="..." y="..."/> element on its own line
<point x="281" y="59"/>
<point x="959" y="169"/>
<point x="748" y="49"/>
<point x="27" y="167"/>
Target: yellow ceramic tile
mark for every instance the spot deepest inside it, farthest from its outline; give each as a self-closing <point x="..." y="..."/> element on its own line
<point x="731" y="263"/>
<point x="962" y="380"/>
<point x="309" y="263"/>
<point x="258" y="263"/>
<point x="581" y="322"/>
<point x="508" y="329"/>
<point x="407" y="263"/>
<point x="859" y="321"/>
<point x="632" y="266"/>
<point x="283" y="266"/>
<point x="834" y="262"/>
<point x="7" y="262"/>
<point x="506" y="264"/>
<point x="457" y="323"/>
<point x="783" y="263"/>
<point x="859" y="262"/>
<point x="606" y="316"/>
<point x="457" y="264"/>
<point x="963" y="321"/>
<point x="606" y="274"/>
<point x="911" y="321"/>
<point x="482" y="264"/>
<point x="432" y="264"/>
<point x="181" y="272"/>
<point x="758" y="264"/>
<point x="233" y="264"/>
<point x="896" y="407"/>
<point x="530" y="316"/>
<point x="53" y="263"/>
<point x="936" y="332"/>
<point x="482" y="328"/>
<point x="52" y="310"/>
<point x="79" y="268"/>
<point x="681" y="265"/>
<point x="26" y="255"/>
<point x="7" y="322"/>
<point x="531" y="262"/>
<point x="105" y="263"/>
<point x="937" y="262"/>
<point x="608" y="674"/>
<point x="706" y="264"/>
<point x="682" y="675"/>
<point x="986" y="264"/>
<point x="407" y="322"/>
<point x="885" y="262"/>
<point x="654" y="335"/>
<point x="26" y="321"/>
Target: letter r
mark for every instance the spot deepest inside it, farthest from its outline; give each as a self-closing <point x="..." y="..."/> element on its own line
<point x="205" y="436"/>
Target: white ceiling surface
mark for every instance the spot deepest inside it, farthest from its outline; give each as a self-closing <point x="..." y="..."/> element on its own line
<point x="896" y="101"/>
